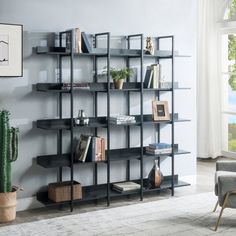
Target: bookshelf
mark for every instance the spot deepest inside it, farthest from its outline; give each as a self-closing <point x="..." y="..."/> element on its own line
<point x="60" y="125"/>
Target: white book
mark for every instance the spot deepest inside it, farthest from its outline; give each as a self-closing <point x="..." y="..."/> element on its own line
<point x="126" y="186"/>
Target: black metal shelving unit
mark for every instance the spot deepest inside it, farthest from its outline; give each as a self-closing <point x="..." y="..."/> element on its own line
<point x="62" y="160"/>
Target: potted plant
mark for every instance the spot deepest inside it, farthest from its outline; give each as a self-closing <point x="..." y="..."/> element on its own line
<point x="119" y="75"/>
<point x="8" y="154"/>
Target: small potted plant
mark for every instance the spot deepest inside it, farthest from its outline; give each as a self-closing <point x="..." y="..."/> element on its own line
<point x="119" y="75"/>
<point x="8" y="154"/>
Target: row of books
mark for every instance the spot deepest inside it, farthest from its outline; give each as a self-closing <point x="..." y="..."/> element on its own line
<point x="122" y="119"/>
<point x="90" y="149"/>
<point x="124" y="187"/>
<point x="79" y="86"/>
<point x="81" y="42"/>
<point x="159" y="148"/>
<point x="152" y="77"/>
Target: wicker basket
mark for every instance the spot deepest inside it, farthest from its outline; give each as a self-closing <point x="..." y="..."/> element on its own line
<point x="61" y="191"/>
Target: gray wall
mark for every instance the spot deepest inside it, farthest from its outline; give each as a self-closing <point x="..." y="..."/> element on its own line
<point x="154" y="18"/>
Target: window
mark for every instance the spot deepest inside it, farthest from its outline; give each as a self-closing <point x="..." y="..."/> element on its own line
<point x="228" y="42"/>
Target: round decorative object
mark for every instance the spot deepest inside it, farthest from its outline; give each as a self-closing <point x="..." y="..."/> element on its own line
<point x="155" y="176"/>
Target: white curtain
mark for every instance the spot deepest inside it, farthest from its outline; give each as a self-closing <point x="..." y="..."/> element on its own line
<point x="210" y="12"/>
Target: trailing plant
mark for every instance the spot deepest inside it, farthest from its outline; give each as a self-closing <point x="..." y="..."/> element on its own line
<point x="8" y="150"/>
<point x="118" y="74"/>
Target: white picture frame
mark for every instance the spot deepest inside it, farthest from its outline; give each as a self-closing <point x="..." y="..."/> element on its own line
<point x="11" y="50"/>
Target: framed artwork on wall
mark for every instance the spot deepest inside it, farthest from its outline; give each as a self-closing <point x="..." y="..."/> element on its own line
<point x="160" y="110"/>
<point x="11" y="50"/>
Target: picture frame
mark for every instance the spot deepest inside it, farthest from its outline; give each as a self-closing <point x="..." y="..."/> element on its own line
<point x="11" y="50"/>
<point x="160" y="111"/>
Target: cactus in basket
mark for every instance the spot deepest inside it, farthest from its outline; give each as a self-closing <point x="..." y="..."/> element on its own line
<point x="8" y="150"/>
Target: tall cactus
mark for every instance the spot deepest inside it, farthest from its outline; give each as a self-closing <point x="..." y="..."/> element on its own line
<point x="8" y="150"/>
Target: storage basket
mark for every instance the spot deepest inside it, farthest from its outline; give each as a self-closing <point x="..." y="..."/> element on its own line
<point x="61" y="191"/>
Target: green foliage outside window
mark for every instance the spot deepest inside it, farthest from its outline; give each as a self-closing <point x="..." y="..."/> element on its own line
<point x="232" y="78"/>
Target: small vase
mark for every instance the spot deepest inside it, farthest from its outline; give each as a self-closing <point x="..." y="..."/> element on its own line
<point x="118" y="83"/>
<point x="82" y="119"/>
<point x="155" y="176"/>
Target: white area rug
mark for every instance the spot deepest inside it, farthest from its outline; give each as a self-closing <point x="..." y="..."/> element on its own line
<point x="190" y="216"/>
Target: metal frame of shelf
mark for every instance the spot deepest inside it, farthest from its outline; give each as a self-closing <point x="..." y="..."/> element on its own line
<point x="127" y="154"/>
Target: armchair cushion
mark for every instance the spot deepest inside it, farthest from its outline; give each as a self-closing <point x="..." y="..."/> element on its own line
<point x="227" y="183"/>
<point x="226" y="166"/>
<point x="222" y="173"/>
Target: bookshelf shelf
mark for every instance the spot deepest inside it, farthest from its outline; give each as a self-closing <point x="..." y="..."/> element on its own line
<point x="95" y="192"/>
<point x="63" y="160"/>
<point x="97" y="123"/>
<point x="98" y="87"/>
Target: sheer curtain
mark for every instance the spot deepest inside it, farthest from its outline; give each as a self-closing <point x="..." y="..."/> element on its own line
<point x="210" y="12"/>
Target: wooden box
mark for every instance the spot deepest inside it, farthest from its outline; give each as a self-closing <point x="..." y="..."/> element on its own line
<point x="61" y="191"/>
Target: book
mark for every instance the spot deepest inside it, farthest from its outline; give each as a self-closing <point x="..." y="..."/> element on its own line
<point x="78" y="43"/>
<point x="156" y="75"/>
<point x="159" y="145"/>
<point x="96" y="151"/>
<point x="86" y="47"/>
<point x="82" y="147"/>
<point x="148" y="77"/>
<point x="126" y="186"/>
<point x="158" y="151"/>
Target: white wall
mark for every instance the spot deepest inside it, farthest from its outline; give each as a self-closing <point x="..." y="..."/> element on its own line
<point x="153" y="17"/>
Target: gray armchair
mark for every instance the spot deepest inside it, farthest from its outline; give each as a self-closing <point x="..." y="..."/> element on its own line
<point x="225" y="186"/>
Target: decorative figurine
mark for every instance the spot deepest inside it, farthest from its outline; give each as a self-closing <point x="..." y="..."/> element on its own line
<point x="149" y="46"/>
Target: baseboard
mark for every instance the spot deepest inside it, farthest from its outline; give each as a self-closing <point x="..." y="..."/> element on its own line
<point x="191" y="179"/>
<point x="27" y="203"/>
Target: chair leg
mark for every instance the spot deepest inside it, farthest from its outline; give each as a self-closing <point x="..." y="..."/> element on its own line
<point x="218" y="221"/>
<point x="222" y="209"/>
<point x="216" y="206"/>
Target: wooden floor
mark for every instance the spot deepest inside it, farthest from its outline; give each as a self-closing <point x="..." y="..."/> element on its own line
<point x="204" y="183"/>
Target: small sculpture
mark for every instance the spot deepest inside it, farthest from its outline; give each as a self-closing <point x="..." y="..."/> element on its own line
<point x="149" y="46"/>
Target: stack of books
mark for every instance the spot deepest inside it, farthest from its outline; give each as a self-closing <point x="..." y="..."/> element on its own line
<point x="122" y="119"/>
<point x="126" y="186"/>
<point x="159" y="148"/>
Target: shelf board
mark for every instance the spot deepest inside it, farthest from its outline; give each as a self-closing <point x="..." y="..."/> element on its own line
<point x="98" y="122"/>
<point x="97" y="87"/>
<point x="102" y="52"/>
<point x="63" y="160"/>
<point x="53" y="161"/>
<point x="57" y="124"/>
<point x="95" y="192"/>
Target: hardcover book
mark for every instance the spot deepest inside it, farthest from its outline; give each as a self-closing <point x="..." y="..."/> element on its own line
<point x="86" y="47"/>
<point x="82" y="147"/>
<point x="148" y="77"/>
<point x="125" y="186"/>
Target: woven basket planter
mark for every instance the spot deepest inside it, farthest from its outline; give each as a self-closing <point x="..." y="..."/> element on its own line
<point x="8" y="206"/>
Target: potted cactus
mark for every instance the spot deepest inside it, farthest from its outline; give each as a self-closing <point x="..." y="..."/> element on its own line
<point x="8" y="154"/>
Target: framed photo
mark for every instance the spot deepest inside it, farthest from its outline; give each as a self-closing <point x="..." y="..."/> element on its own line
<point x="160" y="110"/>
<point x="11" y="50"/>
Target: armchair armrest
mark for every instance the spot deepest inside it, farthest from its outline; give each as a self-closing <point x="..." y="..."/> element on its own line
<point x="225" y="184"/>
<point x="226" y="166"/>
